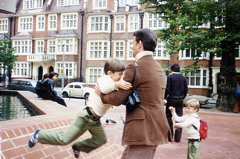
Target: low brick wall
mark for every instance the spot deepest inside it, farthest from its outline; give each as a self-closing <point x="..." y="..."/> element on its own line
<point x="16" y="133"/>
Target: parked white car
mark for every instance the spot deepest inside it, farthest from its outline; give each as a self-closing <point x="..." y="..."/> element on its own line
<point x="77" y="89"/>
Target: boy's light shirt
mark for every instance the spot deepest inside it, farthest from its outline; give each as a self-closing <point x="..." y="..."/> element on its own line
<point x="106" y="85"/>
<point x="186" y="122"/>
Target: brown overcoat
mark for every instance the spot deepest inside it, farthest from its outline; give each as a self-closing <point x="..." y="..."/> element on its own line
<point x="147" y="124"/>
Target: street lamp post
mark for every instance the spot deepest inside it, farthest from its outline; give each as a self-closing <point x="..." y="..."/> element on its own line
<point x="63" y="44"/>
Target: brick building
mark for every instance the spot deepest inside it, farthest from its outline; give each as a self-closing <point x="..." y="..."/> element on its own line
<point x="77" y="36"/>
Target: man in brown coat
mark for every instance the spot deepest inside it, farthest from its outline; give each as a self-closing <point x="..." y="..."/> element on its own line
<point x="146" y="126"/>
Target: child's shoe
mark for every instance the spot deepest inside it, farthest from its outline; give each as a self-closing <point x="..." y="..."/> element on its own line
<point x="33" y="139"/>
<point x="75" y="151"/>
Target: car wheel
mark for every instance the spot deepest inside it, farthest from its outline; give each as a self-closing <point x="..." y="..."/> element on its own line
<point x="65" y="95"/>
<point x="86" y="95"/>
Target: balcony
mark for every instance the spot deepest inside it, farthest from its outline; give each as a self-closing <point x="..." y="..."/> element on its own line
<point x="41" y="58"/>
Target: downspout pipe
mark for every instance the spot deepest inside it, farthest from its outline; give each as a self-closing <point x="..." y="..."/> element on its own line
<point x="81" y="51"/>
<point x="111" y="18"/>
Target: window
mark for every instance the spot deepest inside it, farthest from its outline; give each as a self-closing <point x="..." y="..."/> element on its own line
<point x="32" y="4"/>
<point x="22" y="69"/>
<point x="25" y="24"/>
<point x="98" y="50"/>
<point x="67" y="2"/>
<point x="197" y="79"/>
<point x="153" y="21"/>
<point x="39" y="46"/>
<point x="159" y="52"/>
<point x="129" y="2"/>
<point x="69" y="21"/>
<point x="99" y="4"/>
<point x="22" y="46"/>
<point x="119" y="24"/>
<point x="237" y="50"/>
<point x="4" y="25"/>
<point x="92" y="74"/>
<point x="70" y="69"/>
<point x="40" y="22"/>
<point x="51" y="46"/>
<point x="129" y="50"/>
<point x="191" y="53"/>
<point x="119" y="49"/>
<point x="133" y="21"/>
<point x="70" y="46"/>
<point x="52" y="22"/>
<point x="99" y="24"/>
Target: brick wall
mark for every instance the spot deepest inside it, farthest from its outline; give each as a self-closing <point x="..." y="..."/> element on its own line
<point x="16" y="133"/>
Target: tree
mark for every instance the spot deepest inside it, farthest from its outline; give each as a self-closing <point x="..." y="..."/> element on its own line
<point x="7" y="58"/>
<point x="203" y="26"/>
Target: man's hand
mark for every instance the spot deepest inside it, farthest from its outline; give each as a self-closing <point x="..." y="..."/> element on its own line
<point x="171" y="109"/>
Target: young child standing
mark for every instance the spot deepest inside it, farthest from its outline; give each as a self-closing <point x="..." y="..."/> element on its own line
<point x="87" y="118"/>
<point x="187" y="122"/>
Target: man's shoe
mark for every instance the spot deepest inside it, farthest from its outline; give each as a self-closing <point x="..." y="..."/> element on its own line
<point x="33" y="140"/>
<point x="75" y="151"/>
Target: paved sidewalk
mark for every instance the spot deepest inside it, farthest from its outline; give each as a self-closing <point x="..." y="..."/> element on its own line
<point x="223" y="140"/>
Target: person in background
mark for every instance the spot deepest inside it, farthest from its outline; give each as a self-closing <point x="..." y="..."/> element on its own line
<point x="87" y="118"/>
<point x="51" y="94"/>
<point x="146" y="126"/>
<point x="237" y="105"/>
<point x="38" y="88"/>
<point x="187" y="122"/>
<point x="176" y="91"/>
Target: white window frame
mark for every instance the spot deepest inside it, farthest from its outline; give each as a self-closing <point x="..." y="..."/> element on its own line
<point x="99" y="24"/>
<point x="39" y="46"/>
<point x="25" y="24"/>
<point x="22" y="47"/>
<point x="199" y="79"/>
<point x="123" y="3"/>
<point x="153" y="22"/>
<point x="52" y="22"/>
<point x="133" y="22"/>
<point x="40" y="23"/>
<point x="237" y="49"/>
<point x="69" y="21"/>
<point x="98" y="49"/>
<point x="51" y="46"/>
<point x="119" y="25"/>
<point x="22" y="69"/>
<point x="183" y="55"/>
<point x="32" y="4"/>
<point x="159" y="51"/>
<point x="70" y="46"/>
<point x="119" y="49"/>
<point x="67" y="2"/>
<point x="129" y="50"/>
<point x="4" y="25"/>
<point x="99" y="4"/>
<point x="70" y="69"/>
<point x="93" y="73"/>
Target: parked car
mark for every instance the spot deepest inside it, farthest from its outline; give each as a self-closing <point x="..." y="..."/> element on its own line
<point x="22" y="84"/>
<point x="201" y="99"/>
<point x="77" y="89"/>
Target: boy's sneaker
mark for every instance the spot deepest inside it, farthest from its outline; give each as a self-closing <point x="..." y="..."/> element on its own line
<point x="75" y="151"/>
<point x="33" y="139"/>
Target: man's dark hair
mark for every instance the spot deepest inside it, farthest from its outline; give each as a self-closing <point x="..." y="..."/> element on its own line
<point x="52" y="74"/>
<point x="114" y="65"/>
<point x="175" y="67"/>
<point x="46" y="75"/>
<point x="147" y="37"/>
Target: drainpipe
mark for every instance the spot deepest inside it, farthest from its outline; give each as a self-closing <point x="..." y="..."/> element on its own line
<point x="10" y="26"/>
<point x="81" y="51"/>
<point x="111" y="17"/>
<point x="141" y="20"/>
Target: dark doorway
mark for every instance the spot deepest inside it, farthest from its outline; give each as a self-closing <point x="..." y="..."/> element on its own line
<point x="40" y="72"/>
<point x="50" y="69"/>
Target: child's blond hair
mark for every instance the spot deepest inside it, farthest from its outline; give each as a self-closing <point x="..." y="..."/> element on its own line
<point x="193" y="103"/>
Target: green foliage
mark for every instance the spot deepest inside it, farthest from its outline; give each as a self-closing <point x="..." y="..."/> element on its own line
<point x="7" y="58"/>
